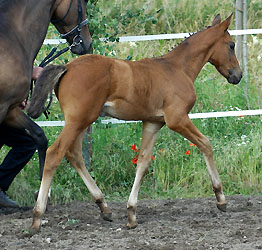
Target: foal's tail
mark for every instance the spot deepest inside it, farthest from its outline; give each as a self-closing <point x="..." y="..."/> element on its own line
<point x="44" y="85"/>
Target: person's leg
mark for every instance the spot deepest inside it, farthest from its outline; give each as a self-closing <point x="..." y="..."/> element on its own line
<point x="22" y="149"/>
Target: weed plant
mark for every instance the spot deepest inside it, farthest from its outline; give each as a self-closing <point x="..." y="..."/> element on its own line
<point x="178" y="168"/>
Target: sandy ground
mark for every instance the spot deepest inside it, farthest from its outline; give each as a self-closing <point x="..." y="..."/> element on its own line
<point x="162" y="224"/>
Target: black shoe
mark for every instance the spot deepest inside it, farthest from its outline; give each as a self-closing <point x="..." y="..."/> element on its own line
<point x="5" y="201"/>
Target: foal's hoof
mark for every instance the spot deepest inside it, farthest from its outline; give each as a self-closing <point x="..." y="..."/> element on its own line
<point x="222" y="207"/>
<point x="131" y="225"/>
<point x="31" y="231"/>
<point x="107" y="217"/>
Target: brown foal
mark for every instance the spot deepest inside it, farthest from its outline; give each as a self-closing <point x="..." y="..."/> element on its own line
<point x="157" y="91"/>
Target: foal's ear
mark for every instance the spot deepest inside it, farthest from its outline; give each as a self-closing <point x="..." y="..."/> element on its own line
<point x="217" y="20"/>
<point x="227" y="22"/>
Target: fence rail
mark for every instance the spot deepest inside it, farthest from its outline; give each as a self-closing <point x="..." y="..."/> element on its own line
<point x="240" y="113"/>
<point x="162" y="36"/>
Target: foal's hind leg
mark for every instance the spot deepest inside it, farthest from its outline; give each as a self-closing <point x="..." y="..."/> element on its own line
<point x="185" y="127"/>
<point x="148" y="141"/>
<point x="74" y="155"/>
<point x="54" y="155"/>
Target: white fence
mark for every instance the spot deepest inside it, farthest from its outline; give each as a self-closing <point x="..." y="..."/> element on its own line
<point x="162" y="36"/>
<point x="165" y="37"/>
<point x="240" y="113"/>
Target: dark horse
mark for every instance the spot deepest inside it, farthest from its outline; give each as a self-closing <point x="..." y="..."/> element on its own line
<point x="23" y="26"/>
<point x="157" y="91"/>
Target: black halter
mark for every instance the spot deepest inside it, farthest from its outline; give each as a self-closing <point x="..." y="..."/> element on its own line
<point x="77" y="40"/>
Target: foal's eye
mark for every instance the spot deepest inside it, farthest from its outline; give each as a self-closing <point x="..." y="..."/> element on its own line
<point x="232" y="45"/>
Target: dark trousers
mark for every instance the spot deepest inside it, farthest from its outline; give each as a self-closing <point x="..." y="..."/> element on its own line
<point x="22" y="149"/>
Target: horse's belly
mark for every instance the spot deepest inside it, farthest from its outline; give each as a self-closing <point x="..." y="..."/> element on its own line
<point x="123" y="110"/>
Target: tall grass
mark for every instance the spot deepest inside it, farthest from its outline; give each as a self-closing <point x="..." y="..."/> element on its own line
<point x="236" y="141"/>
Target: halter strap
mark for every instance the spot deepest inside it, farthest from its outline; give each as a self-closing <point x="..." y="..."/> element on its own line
<point x="62" y="19"/>
<point x="77" y="28"/>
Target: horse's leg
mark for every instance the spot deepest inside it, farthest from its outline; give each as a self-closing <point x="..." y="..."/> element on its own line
<point x="54" y="156"/>
<point x="74" y="155"/>
<point x="149" y="136"/>
<point x="185" y="127"/>
<point x="18" y="119"/>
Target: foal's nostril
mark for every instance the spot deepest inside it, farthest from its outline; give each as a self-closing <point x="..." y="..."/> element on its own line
<point x="234" y="76"/>
<point x="230" y="71"/>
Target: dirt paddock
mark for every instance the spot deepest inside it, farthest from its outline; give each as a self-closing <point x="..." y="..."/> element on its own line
<point x="162" y="224"/>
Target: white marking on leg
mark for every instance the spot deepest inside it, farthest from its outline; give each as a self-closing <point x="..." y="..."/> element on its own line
<point x="148" y="140"/>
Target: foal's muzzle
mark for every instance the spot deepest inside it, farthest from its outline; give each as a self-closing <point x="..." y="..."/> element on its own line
<point x="234" y="76"/>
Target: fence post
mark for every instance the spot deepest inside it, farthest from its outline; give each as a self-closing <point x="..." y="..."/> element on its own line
<point x="245" y="59"/>
<point x="239" y="26"/>
<point x="87" y="148"/>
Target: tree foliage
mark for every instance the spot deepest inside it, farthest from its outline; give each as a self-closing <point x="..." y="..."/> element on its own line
<point x="105" y="29"/>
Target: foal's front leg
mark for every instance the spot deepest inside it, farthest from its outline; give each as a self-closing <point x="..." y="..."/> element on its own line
<point x="186" y="128"/>
<point x="149" y="136"/>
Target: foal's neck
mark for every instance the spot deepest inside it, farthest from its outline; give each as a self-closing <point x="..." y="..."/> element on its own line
<point x="193" y="53"/>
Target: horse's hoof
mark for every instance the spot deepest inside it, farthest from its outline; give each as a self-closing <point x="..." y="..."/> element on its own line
<point x="107" y="217"/>
<point x="131" y="225"/>
<point x="222" y="207"/>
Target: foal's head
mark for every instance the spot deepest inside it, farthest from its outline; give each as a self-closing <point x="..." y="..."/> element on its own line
<point x="69" y="19"/>
<point x="223" y="56"/>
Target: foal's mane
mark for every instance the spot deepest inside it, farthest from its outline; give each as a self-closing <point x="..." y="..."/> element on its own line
<point x="195" y="33"/>
<point x="190" y="35"/>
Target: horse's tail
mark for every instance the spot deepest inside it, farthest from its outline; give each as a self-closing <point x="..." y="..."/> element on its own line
<point x="44" y="85"/>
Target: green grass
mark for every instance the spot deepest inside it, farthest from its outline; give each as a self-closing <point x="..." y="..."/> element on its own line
<point x="236" y="141"/>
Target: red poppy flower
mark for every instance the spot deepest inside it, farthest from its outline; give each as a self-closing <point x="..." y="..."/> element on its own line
<point x="153" y="157"/>
<point x="188" y="152"/>
<point x="133" y="147"/>
<point x="192" y="145"/>
<point x="134" y="160"/>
